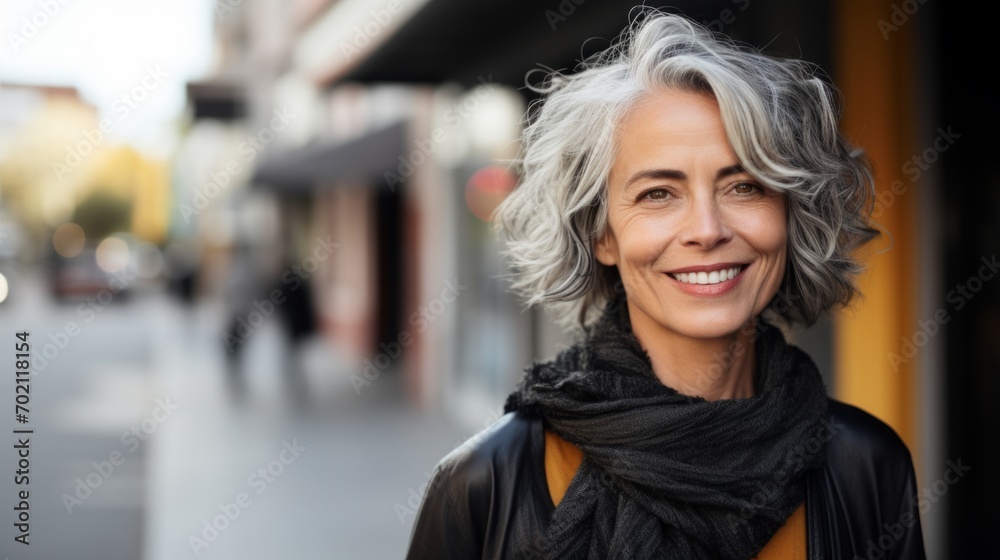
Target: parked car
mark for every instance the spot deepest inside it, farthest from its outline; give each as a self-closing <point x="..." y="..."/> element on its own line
<point x="78" y="277"/>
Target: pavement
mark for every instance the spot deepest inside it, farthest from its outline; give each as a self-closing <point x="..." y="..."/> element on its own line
<point x="140" y="450"/>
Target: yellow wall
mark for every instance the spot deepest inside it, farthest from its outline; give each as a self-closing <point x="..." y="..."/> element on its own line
<point x="123" y="171"/>
<point x="873" y="69"/>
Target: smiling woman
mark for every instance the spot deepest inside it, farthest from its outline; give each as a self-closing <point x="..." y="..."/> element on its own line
<point x="699" y="244"/>
<point x="673" y="193"/>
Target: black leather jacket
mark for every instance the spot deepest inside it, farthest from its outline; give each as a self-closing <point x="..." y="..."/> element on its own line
<point x="489" y="499"/>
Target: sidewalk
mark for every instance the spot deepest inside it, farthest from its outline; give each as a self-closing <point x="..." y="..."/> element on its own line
<point x="143" y="387"/>
<point x="320" y="484"/>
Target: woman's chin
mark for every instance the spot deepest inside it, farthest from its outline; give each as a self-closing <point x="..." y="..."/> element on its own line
<point x="711" y="326"/>
<point x="695" y="325"/>
<point x="711" y="333"/>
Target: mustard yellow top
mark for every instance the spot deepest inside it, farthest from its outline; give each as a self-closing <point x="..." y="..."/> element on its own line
<point x="562" y="459"/>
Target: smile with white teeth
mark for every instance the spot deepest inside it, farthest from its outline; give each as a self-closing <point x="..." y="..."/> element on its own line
<point x="713" y="277"/>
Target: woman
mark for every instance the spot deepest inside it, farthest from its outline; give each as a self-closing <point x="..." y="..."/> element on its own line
<point x="679" y="196"/>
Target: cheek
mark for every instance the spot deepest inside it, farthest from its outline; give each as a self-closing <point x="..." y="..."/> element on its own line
<point x="768" y="234"/>
<point x="643" y="240"/>
<point x="776" y="238"/>
<point x="773" y="239"/>
<point x="765" y="228"/>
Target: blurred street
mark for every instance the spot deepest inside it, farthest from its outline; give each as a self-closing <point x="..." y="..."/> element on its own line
<point x="156" y="365"/>
<point x="253" y="244"/>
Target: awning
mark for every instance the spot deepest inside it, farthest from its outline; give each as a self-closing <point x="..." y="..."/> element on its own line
<point x="216" y="100"/>
<point x="366" y="158"/>
<point x="468" y="42"/>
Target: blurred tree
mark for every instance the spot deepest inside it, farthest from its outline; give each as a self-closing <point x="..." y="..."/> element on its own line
<point x="102" y="213"/>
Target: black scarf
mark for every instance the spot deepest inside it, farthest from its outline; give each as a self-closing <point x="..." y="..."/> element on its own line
<point x="666" y="475"/>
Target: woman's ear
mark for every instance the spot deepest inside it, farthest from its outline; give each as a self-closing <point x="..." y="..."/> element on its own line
<point x="606" y="248"/>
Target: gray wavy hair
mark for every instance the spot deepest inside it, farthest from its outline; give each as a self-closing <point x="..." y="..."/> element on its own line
<point x="780" y="118"/>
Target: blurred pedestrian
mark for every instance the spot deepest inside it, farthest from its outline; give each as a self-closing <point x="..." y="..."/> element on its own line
<point x="291" y="305"/>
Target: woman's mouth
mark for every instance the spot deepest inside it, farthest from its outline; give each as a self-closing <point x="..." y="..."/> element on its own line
<point x="709" y="283"/>
<point x="714" y="277"/>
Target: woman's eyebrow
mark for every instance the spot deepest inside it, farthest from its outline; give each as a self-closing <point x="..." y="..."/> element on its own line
<point x="655" y="174"/>
<point x="731" y="170"/>
<point x="679" y="175"/>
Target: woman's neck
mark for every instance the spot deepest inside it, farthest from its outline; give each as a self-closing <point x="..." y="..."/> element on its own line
<point x="713" y="369"/>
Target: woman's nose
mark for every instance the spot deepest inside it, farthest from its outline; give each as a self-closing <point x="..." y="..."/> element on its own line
<point x="704" y="225"/>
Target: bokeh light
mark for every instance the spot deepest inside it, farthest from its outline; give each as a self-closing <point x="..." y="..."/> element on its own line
<point x="148" y="260"/>
<point x="487" y="188"/>
<point x="68" y="240"/>
<point x="4" y="288"/>
<point x="112" y="254"/>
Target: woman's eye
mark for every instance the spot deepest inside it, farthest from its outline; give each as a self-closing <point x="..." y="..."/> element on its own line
<point x="746" y="188"/>
<point x="656" y="194"/>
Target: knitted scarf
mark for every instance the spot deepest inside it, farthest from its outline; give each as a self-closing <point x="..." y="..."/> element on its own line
<point x="666" y="475"/>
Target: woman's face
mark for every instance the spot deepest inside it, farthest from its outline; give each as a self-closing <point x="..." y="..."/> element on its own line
<point x="699" y="244"/>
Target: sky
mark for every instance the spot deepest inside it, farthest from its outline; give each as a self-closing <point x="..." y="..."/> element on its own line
<point x="129" y="58"/>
